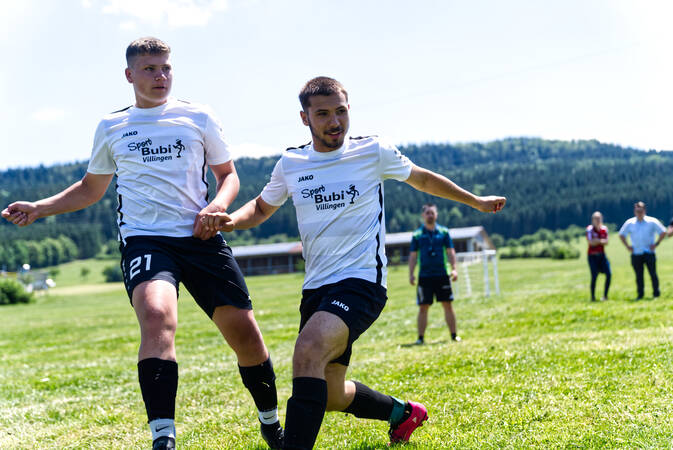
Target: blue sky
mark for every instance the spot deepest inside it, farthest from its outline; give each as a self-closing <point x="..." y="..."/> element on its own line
<point x="421" y="71"/>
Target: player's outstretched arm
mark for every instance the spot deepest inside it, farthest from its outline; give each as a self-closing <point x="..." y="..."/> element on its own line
<point x="250" y="215"/>
<point x="85" y="192"/>
<point x="433" y="183"/>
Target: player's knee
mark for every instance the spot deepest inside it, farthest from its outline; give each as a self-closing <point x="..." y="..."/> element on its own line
<point x="157" y="320"/>
<point x="309" y="352"/>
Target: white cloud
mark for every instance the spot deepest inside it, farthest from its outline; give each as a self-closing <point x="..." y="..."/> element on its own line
<point x="173" y="13"/>
<point x="13" y="16"/>
<point x="128" y="25"/>
<point x="251" y="150"/>
<point x="49" y="114"/>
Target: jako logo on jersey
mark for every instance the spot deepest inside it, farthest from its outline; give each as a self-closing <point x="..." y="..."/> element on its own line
<point x="340" y="305"/>
<point x="305" y="178"/>
<point x="130" y="133"/>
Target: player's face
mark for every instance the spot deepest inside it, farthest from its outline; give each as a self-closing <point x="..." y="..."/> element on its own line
<point x="639" y="212"/>
<point x="152" y="77"/>
<point x="430" y="216"/>
<point x="327" y="118"/>
<point x="596" y="221"/>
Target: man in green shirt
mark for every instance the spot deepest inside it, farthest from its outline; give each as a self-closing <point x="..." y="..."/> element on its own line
<point x="431" y="244"/>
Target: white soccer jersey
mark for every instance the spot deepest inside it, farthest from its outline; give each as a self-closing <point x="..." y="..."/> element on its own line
<point x="338" y="197"/>
<point x="160" y="156"/>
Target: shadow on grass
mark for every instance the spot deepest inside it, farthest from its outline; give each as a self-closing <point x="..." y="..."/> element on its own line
<point x="427" y="344"/>
<point x="378" y="446"/>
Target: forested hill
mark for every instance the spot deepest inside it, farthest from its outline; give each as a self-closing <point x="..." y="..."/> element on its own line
<point x="549" y="184"/>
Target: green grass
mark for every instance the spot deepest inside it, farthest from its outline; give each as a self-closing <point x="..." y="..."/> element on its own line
<point x="539" y="365"/>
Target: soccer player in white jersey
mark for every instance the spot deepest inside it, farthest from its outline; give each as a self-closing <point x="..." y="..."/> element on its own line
<point x="160" y="149"/>
<point x="336" y="185"/>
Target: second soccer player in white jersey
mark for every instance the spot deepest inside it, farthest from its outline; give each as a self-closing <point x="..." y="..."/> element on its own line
<point x="160" y="150"/>
<point x="336" y="185"/>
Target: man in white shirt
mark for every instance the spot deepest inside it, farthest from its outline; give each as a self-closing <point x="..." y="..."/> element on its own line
<point x="336" y="185"/>
<point x="160" y="149"/>
<point x="642" y="229"/>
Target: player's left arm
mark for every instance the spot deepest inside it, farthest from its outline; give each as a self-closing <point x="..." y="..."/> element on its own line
<point x="662" y="235"/>
<point x="661" y="231"/>
<point x="433" y="183"/>
<point x="228" y="185"/>
<point x="451" y="253"/>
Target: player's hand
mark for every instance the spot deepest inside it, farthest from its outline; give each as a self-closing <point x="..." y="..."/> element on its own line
<point x="630" y="248"/>
<point x="454" y="275"/>
<point x="21" y="213"/>
<point x="653" y="247"/>
<point x="491" y="203"/>
<point x="412" y="280"/>
<point x="218" y="221"/>
<point x="204" y="223"/>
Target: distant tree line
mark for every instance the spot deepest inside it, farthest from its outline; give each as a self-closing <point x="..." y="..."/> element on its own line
<point x="543" y="243"/>
<point x="38" y="253"/>
<point x="549" y="184"/>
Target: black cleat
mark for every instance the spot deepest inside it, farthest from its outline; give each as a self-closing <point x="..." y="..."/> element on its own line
<point x="273" y="435"/>
<point x="163" y="443"/>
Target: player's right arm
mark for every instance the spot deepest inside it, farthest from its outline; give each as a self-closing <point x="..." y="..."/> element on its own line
<point x="84" y="193"/>
<point x="623" y="231"/>
<point x="412" y="267"/>
<point x="253" y="213"/>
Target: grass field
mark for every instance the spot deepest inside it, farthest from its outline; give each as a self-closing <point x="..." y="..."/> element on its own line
<point x="539" y="365"/>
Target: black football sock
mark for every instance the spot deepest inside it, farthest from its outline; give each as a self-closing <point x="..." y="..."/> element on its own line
<point x="370" y="404"/>
<point x="159" y="385"/>
<point x="305" y="411"/>
<point x="261" y="382"/>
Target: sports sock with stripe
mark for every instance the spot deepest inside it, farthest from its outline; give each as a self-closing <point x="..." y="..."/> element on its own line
<point x="260" y="380"/>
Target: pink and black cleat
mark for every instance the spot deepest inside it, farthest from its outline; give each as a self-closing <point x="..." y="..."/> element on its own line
<point x="402" y="432"/>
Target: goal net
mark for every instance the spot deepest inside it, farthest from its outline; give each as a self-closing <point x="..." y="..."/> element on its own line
<point x="477" y="274"/>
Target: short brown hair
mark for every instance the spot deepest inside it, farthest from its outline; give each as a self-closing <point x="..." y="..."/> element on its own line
<point x="640" y="205"/>
<point x="428" y="205"/>
<point x="320" y="86"/>
<point x="146" y="46"/>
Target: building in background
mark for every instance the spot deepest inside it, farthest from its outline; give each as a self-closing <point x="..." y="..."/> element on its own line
<point x="267" y="259"/>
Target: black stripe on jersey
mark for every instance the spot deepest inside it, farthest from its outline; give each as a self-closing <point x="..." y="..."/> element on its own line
<point x="298" y="148"/>
<point x="364" y="137"/>
<point x="121" y="110"/>
<point x="204" y="171"/>
<point x="120" y="214"/>
<point x="185" y="101"/>
<point x="379" y="263"/>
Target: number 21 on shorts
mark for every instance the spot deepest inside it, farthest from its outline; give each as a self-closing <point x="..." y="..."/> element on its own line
<point x="134" y="266"/>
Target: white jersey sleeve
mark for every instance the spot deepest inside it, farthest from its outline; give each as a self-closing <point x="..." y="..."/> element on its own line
<point x="393" y="164"/>
<point x="217" y="150"/>
<point x="101" y="162"/>
<point x="275" y="192"/>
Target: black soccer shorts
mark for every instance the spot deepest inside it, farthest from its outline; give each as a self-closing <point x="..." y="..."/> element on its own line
<point x="206" y="268"/>
<point x="357" y="302"/>
<point x="431" y="287"/>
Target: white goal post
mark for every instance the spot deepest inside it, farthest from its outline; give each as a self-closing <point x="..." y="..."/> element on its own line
<point x="473" y="274"/>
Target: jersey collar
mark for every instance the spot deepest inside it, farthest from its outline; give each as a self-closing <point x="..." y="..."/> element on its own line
<point x="315" y="155"/>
